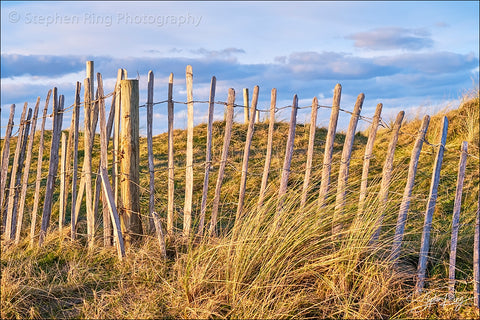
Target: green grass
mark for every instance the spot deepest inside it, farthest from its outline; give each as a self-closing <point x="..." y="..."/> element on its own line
<point x="265" y="265"/>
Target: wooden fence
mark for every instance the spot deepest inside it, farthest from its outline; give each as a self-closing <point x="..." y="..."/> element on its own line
<point x="120" y="193"/>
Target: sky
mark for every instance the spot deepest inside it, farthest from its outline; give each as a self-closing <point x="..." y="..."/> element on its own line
<point x="413" y="56"/>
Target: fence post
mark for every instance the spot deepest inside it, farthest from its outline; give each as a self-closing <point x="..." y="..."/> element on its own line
<point x="36" y="198"/>
<point x="160" y="235"/>
<point x="456" y="220"/>
<point x="387" y="174"/>
<point x="282" y="190"/>
<point x="187" y="210"/>
<point x="368" y="155"/>
<point x="116" y="137"/>
<point x="223" y="161"/>
<point x="268" y="157"/>
<point x="171" y="161"/>
<point x="76" y="124"/>
<point x="412" y="169"/>
<point x="208" y="156"/>
<point x="11" y="209"/>
<point x="129" y="164"/>
<point x="246" y="153"/>
<point x="87" y="164"/>
<point x="345" y="164"/>
<point x="246" y="108"/>
<point x="63" y="193"/>
<point x="432" y="199"/>
<point x="151" y="165"/>
<point x="311" y="143"/>
<point x="5" y="157"/>
<point x="53" y="167"/>
<point x="327" y="155"/>
<point x="90" y="74"/>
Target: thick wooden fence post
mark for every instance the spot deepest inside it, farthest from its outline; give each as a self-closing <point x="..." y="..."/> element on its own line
<point x="246" y="153"/>
<point x="63" y="193"/>
<point x="171" y="162"/>
<point x="476" y="258"/>
<point x="246" y="108"/>
<point x="129" y="164"/>
<point x="387" y="175"/>
<point x="90" y="74"/>
<point x="327" y="155"/>
<point x="311" y="144"/>
<point x="368" y="155"/>
<point x="76" y="124"/>
<point x="36" y="198"/>
<point x="187" y="209"/>
<point x="5" y="157"/>
<point x="116" y="137"/>
<point x="345" y="164"/>
<point x="223" y="161"/>
<point x="268" y="157"/>
<point x="87" y="164"/>
<point x="53" y="168"/>
<point x="282" y="190"/>
<point x="208" y="156"/>
<point x="14" y="180"/>
<point x="456" y="220"/>
<point x="432" y="199"/>
<point x="151" y="165"/>
<point x="405" y="204"/>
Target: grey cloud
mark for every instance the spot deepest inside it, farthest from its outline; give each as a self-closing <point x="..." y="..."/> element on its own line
<point x="40" y="65"/>
<point x="392" y="38"/>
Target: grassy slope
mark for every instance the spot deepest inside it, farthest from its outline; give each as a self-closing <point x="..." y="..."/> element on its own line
<point x="266" y="266"/>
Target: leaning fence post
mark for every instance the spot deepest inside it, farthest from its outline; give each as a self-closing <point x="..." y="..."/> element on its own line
<point x="412" y="169"/>
<point x="456" y="220"/>
<point x="171" y="162"/>
<point x="282" y="190"/>
<point x="5" y="157"/>
<point x="432" y="199"/>
<point x="246" y="154"/>
<point x="129" y="164"/>
<point x="76" y="124"/>
<point x="327" y="156"/>
<point x="151" y="166"/>
<point x="187" y="210"/>
<point x="36" y="198"/>
<point x="208" y="156"/>
<point x="368" y="155"/>
<point x="14" y="180"/>
<point x="345" y="164"/>
<point x="311" y="143"/>
<point x="223" y="161"/>
<point x="63" y="193"/>
<point x="387" y="174"/>
<point x="268" y="157"/>
<point x="52" y="170"/>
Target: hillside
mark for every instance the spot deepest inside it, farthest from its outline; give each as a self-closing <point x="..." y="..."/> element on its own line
<point x="266" y="266"/>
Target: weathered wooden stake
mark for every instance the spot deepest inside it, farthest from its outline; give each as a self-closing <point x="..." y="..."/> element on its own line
<point x="405" y="204"/>
<point x="5" y="157"/>
<point x="345" y="164"/>
<point x="311" y="143"/>
<point x="171" y="162"/>
<point x="151" y="165"/>
<point x="76" y="124"/>
<point x="87" y="164"/>
<point x="246" y="153"/>
<point x="268" y="157"/>
<point x="116" y="137"/>
<point x="208" y="156"/>
<point x="53" y="167"/>
<point x="38" y="180"/>
<point x="160" y="235"/>
<point x="368" y="155"/>
<point x="11" y="210"/>
<point x="282" y="190"/>
<point x="187" y="210"/>
<point x="129" y="163"/>
<point x="327" y="156"/>
<point x="432" y="199"/>
<point x="63" y="193"/>
<point x="223" y="161"/>
<point x="247" y="107"/>
<point x="387" y="175"/>
<point x="456" y="220"/>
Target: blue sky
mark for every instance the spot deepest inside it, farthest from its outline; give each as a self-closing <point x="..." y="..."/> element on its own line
<point x="412" y="56"/>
